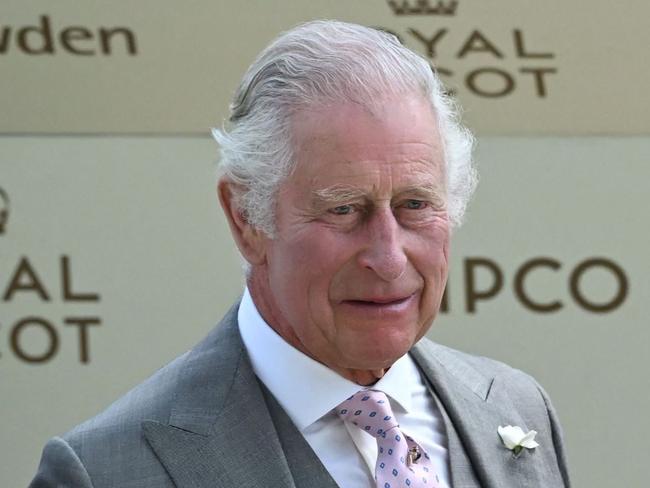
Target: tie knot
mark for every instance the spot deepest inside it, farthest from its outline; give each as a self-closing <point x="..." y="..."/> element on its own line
<point x="370" y="411"/>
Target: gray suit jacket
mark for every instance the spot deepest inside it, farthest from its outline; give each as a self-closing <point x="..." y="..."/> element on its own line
<point x="204" y="420"/>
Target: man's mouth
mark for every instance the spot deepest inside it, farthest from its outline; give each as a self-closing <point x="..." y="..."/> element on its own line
<point x="383" y="304"/>
<point x="379" y="301"/>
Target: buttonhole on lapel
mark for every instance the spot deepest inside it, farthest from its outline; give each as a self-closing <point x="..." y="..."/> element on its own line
<point x="489" y="390"/>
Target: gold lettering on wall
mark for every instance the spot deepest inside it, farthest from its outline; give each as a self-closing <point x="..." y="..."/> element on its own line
<point x="46" y="38"/>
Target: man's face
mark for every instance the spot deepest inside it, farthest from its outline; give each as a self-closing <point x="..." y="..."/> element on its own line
<point x="356" y="272"/>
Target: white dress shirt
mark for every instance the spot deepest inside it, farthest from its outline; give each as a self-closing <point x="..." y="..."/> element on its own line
<point x="308" y="391"/>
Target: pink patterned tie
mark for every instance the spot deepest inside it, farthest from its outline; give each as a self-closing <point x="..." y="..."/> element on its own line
<point x="401" y="462"/>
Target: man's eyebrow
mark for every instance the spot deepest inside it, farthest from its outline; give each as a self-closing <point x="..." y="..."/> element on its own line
<point x="433" y="192"/>
<point x="345" y="193"/>
<point x="337" y="193"/>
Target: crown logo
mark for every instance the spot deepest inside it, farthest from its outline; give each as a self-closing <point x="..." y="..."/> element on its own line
<point x="423" y="7"/>
<point x="4" y="210"/>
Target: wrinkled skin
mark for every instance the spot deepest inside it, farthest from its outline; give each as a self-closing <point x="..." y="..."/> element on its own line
<point x="356" y="272"/>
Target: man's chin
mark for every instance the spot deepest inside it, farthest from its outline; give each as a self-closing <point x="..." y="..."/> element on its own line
<point x="376" y="359"/>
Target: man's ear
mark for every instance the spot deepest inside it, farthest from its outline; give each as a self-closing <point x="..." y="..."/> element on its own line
<point x="250" y="241"/>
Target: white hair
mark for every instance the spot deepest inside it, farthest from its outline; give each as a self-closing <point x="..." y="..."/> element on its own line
<point x="319" y="62"/>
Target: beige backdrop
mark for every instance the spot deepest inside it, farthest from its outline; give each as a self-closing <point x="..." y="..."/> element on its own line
<point x="520" y="67"/>
<point x="115" y="258"/>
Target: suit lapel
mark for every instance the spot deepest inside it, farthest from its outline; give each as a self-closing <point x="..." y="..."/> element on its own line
<point x="220" y="433"/>
<point x="476" y="405"/>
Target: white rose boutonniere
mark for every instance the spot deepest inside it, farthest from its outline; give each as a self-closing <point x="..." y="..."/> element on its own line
<point x="515" y="439"/>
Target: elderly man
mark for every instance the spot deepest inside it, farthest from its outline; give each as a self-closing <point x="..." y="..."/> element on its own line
<point x="343" y="170"/>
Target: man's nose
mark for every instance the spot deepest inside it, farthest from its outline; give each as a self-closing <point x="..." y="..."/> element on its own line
<point x="384" y="252"/>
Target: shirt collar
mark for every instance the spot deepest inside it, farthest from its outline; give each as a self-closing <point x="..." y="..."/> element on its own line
<point x="306" y="389"/>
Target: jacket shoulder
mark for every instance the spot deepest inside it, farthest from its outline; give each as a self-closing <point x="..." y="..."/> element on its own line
<point x="111" y="450"/>
<point x="488" y="378"/>
<point x="155" y="398"/>
<point x="149" y="400"/>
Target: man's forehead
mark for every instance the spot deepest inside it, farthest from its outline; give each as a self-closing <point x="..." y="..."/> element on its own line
<point x="330" y="168"/>
<point x="345" y="146"/>
<point x="408" y="120"/>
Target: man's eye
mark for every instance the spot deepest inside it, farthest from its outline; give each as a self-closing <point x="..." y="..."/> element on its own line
<point x="415" y="204"/>
<point x="342" y="210"/>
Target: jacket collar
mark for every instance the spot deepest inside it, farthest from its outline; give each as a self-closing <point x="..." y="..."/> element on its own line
<point x="476" y="404"/>
<point x="219" y="431"/>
